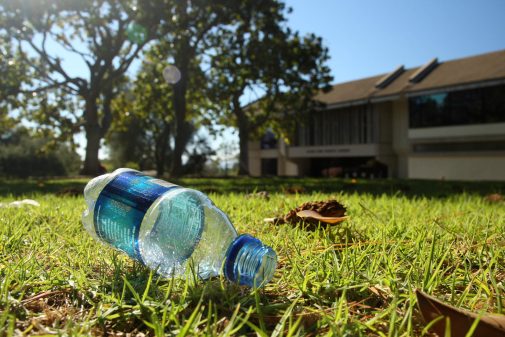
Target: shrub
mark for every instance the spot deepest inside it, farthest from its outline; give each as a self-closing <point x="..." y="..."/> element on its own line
<point x="22" y="155"/>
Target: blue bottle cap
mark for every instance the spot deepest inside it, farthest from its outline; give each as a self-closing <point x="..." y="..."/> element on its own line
<point x="249" y="262"/>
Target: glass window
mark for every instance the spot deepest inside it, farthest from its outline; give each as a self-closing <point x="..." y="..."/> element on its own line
<point x="353" y="125"/>
<point x="474" y="106"/>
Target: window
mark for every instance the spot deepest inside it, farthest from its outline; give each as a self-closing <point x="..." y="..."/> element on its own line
<point x="354" y="125"/>
<point x="475" y="106"/>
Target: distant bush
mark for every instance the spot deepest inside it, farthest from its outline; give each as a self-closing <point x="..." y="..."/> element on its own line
<point x="22" y="155"/>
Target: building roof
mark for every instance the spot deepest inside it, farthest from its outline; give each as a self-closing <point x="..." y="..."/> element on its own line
<point x="349" y="91"/>
<point x="485" y="67"/>
<point x="470" y="70"/>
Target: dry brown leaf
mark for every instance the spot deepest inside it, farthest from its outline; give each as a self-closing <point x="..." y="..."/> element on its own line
<point x="316" y="216"/>
<point x="495" y="197"/>
<point x="460" y="320"/>
<point x="313" y="212"/>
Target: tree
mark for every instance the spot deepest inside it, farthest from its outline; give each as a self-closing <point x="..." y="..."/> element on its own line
<point x="148" y="107"/>
<point x="106" y="36"/>
<point x="193" y="25"/>
<point x="14" y="75"/>
<point x="127" y="143"/>
<point x="259" y="53"/>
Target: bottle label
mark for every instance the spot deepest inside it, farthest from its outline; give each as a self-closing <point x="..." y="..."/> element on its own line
<point x="121" y="206"/>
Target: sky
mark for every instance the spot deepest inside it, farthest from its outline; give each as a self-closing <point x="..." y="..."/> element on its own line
<point x="371" y="37"/>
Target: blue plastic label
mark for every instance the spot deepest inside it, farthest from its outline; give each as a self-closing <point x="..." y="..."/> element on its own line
<point x="121" y="206"/>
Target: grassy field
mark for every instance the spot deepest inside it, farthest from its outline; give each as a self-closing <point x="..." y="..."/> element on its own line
<point x="357" y="278"/>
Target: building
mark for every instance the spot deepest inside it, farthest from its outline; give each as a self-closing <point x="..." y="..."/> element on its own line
<point x="443" y="120"/>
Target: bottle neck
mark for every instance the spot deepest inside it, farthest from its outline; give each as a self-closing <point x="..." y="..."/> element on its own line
<point x="249" y="262"/>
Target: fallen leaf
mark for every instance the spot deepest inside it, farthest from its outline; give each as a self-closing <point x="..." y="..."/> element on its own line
<point x="461" y="321"/>
<point x="313" y="212"/>
<point x="495" y="197"/>
<point x="316" y="216"/>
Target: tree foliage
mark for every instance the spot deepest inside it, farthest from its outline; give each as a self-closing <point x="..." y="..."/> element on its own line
<point x="144" y="117"/>
<point x="193" y="27"/>
<point x="246" y="44"/>
<point x="105" y="36"/>
<point x="14" y="74"/>
<point x="260" y="54"/>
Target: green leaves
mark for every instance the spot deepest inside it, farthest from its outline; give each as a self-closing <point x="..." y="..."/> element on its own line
<point x="258" y="54"/>
<point x="96" y="33"/>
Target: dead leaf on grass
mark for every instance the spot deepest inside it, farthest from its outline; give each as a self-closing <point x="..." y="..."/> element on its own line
<point x="313" y="212"/>
<point x="308" y="214"/>
<point x="461" y="321"/>
<point x="495" y="197"/>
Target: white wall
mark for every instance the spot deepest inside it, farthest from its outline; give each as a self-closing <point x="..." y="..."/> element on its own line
<point x="458" y="131"/>
<point x="467" y="167"/>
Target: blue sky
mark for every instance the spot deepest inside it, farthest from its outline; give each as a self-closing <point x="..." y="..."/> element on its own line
<point x="370" y="37"/>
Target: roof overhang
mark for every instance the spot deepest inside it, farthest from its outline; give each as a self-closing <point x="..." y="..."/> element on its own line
<point x="343" y="104"/>
<point x="388" y="98"/>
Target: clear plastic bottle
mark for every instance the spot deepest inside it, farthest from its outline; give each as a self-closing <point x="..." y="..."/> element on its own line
<point x="164" y="226"/>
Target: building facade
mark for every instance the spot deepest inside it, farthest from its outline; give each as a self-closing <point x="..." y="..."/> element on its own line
<point x="443" y="120"/>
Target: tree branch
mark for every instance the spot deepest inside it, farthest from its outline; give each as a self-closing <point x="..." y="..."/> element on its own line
<point x="67" y="46"/>
<point x="55" y="65"/>
<point x="44" y="88"/>
<point x="45" y="79"/>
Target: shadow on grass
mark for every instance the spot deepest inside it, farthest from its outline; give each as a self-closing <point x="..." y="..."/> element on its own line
<point x="142" y="296"/>
<point x="402" y="187"/>
<point x="221" y="300"/>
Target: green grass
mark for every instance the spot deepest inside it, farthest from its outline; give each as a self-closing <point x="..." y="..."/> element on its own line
<point x="409" y="188"/>
<point x="354" y="279"/>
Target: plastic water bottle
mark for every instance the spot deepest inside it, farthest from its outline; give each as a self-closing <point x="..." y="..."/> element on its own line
<point x="165" y="226"/>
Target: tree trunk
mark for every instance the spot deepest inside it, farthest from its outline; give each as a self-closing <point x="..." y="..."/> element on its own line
<point x="179" y="101"/>
<point x="160" y="164"/>
<point x="91" y="163"/>
<point x="243" y="134"/>
<point x="93" y="136"/>
<point x="161" y="150"/>
<point x="180" y="123"/>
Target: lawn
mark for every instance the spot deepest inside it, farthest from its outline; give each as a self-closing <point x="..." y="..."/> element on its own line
<point x="355" y="278"/>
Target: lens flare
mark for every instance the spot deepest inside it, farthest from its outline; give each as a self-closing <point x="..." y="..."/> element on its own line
<point x="136" y="33"/>
<point x="171" y="74"/>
